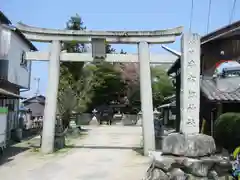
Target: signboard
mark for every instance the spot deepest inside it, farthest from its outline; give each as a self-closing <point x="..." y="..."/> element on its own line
<point x="228" y="76"/>
<point x="224" y="64"/>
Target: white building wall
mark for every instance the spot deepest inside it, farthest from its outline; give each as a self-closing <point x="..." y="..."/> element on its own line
<point x="5" y="39"/>
<point x="18" y="73"/>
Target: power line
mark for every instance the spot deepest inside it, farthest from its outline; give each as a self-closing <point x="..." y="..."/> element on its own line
<point x="209" y="14"/>
<point x="191" y="16"/>
<point x="232" y="11"/>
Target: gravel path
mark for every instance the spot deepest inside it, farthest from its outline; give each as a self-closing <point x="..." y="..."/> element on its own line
<point x="105" y="153"/>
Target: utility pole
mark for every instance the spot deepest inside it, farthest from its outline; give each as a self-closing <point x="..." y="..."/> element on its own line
<point x="37" y="85"/>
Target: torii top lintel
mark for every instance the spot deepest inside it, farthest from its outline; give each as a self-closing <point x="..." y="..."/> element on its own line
<point x="112" y="37"/>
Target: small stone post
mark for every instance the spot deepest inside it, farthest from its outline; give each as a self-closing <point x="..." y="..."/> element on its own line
<point x="190" y="84"/>
<point x="146" y="97"/>
<point x="94" y="120"/>
<point x="48" y="133"/>
<point x="139" y="121"/>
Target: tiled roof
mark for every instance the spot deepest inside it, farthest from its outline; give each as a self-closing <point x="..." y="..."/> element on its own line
<point x="39" y="98"/>
<point x="210" y="89"/>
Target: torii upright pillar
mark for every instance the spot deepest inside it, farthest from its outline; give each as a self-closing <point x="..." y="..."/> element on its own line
<point x="51" y="99"/>
<point x="146" y="97"/>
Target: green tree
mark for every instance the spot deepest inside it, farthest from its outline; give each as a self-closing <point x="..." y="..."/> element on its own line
<point x="75" y="23"/>
<point x="161" y="85"/>
<point x="130" y="75"/>
<point x="109" y="85"/>
<point x="82" y="86"/>
<point x="75" y="79"/>
<point x="226" y="131"/>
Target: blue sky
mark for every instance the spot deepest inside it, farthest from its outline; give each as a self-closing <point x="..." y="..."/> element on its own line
<point x="116" y="15"/>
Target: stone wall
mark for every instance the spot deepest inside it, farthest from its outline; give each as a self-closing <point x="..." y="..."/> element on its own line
<point x="129" y="119"/>
<point x="84" y="119"/>
<point x="189" y="157"/>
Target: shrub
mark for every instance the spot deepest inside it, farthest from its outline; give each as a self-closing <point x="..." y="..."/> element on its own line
<point x="227" y="130"/>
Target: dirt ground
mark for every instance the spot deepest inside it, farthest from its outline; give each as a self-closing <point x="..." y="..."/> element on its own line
<point x="101" y="153"/>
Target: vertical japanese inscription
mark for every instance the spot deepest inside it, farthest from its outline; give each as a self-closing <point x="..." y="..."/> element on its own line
<point x="191" y="121"/>
<point x="191" y="80"/>
<point x="191" y="63"/>
<point x="192" y="94"/>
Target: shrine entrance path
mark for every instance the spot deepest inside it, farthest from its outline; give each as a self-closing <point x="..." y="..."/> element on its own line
<point x="105" y="153"/>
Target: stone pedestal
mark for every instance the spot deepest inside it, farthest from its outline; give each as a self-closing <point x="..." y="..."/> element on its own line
<point x="129" y="119"/>
<point x="19" y="133"/>
<point x="193" y="145"/>
<point x="94" y="121"/>
<point x="59" y="142"/>
<point x="139" y="122"/>
<point x="72" y="124"/>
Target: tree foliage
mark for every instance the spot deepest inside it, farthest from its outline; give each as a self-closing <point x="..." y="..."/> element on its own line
<point x="161" y="85"/>
<point x="75" y="79"/>
<point x="110" y="86"/>
<point x="75" y="23"/>
<point x="130" y="75"/>
<point x="84" y="86"/>
<point x="226" y="130"/>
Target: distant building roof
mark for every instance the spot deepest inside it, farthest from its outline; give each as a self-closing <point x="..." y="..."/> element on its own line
<point x="212" y="92"/>
<point x="8" y="24"/>
<point x="39" y="98"/>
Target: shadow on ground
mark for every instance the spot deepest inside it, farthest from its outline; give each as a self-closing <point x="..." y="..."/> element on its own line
<point x="16" y="147"/>
<point x="136" y="149"/>
<point x="70" y="135"/>
<point x="10" y="152"/>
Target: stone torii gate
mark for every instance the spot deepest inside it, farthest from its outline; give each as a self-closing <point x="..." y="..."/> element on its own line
<point x="98" y="40"/>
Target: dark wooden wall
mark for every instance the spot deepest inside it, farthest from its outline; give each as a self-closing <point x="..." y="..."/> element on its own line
<point x="231" y="107"/>
<point x="211" y="53"/>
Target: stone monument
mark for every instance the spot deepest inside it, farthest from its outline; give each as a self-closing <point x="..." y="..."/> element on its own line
<point x="188" y="154"/>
